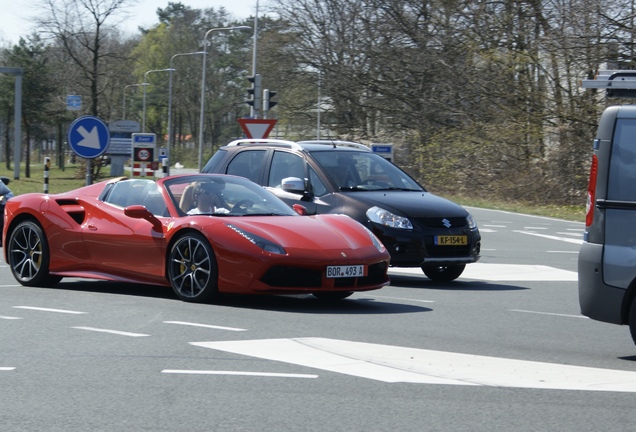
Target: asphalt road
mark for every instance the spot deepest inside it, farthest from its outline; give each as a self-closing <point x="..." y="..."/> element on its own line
<point x="503" y="348"/>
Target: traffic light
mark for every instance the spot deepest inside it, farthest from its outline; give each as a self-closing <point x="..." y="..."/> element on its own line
<point x="268" y="103"/>
<point x="254" y="93"/>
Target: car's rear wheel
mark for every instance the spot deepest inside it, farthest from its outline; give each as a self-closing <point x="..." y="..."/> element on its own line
<point x="192" y="269"/>
<point x="443" y="273"/>
<point x="332" y="295"/>
<point x="29" y="255"/>
<point x="632" y="320"/>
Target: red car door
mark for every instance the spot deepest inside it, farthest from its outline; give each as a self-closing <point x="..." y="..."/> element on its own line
<point x="121" y="245"/>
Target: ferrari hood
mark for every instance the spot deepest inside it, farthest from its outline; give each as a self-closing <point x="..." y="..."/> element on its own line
<point x="322" y="232"/>
<point x="415" y="204"/>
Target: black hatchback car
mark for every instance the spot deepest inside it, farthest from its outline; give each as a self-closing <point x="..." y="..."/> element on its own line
<point x="418" y="228"/>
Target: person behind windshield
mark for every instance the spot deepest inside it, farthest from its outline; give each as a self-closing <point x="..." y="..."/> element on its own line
<point x="207" y="198"/>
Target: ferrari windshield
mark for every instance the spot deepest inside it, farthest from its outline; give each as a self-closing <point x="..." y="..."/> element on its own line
<point x="363" y="171"/>
<point x="223" y="195"/>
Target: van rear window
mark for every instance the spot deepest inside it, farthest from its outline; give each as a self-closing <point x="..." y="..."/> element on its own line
<point x="621" y="184"/>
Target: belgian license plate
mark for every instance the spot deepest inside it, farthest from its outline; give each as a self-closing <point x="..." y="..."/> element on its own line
<point x="451" y="240"/>
<point x="345" y="271"/>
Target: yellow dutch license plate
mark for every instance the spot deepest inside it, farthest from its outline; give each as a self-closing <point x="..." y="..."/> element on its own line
<point x="451" y="240"/>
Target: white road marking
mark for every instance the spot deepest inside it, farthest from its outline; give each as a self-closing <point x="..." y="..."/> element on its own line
<point x="50" y="310"/>
<point x="501" y="272"/>
<point x="204" y="325"/>
<point x="9" y="317"/>
<point x="399" y="364"/>
<point x="402" y="298"/>
<point x="7" y="368"/>
<point x="549" y="313"/>
<point x="535" y="228"/>
<point x="117" y="332"/>
<point x="564" y="252"/>
<point x="493" y="226"/>
<point x="563" y="239"/>
<point x="262" y="374"/>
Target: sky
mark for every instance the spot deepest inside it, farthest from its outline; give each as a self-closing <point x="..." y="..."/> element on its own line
<point x="15" y="14"/>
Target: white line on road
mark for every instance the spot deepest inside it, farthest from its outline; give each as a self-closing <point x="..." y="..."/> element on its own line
<point x="563" y="239"/>
<point x="549" y="313"/>
<point x="501" y="273"/>
<point x="117" y="332"/>
<point x="9" y="317"/>
<point x="7" y="368"/>
<point x="204" y="325"/>
<point x="393" y="364"/>
<point x="401" y="299"/>
<point x="50" y="310"/>
<point x="262" y="374"/>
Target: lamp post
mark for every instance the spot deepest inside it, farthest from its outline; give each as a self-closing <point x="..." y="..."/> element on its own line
<point x="205" y="50"/>
<point x="146" y="84"/>
<point x="171" y="69"/>
<point x="124" y="105"/>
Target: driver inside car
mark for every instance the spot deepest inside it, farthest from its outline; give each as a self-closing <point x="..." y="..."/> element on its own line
<point x="208" y="200"/>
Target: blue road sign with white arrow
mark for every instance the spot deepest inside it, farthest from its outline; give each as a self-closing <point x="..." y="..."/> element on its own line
<point x="88" y="137"/>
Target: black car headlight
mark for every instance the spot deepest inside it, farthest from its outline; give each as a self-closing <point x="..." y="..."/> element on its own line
<point x="470" y="220"/>
<point x="266" y="245"/>
<point x="384" y="217"/>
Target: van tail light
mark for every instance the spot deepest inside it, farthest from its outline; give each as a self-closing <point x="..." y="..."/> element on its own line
<point x="591" y="193"/>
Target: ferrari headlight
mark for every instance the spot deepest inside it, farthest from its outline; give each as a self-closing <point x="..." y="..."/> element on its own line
<point x="376" y="241"/>
<point x="386" y="218"/>
<point x="266" y="245"/>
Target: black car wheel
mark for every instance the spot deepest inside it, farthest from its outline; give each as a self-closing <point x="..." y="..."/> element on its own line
<point x="443" y="273"/>
<point x="192" y="269"/>
<point x="632" y="320"/>
<point x="29" y="255"/>
<point x="332" y="295"/>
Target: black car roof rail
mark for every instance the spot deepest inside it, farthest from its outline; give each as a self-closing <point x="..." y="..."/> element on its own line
<point x="617" y="83"/>
<point x="264" y="141"/>
<point x="335" y="143"/>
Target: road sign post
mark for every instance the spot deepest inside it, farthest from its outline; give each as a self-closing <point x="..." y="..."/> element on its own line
<point x="143" y="153"/>
<point x="88" y="137"/>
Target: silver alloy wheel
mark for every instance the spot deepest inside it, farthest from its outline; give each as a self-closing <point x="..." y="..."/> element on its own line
<point x="28" y="254"/>
<point x="192" y="269"/>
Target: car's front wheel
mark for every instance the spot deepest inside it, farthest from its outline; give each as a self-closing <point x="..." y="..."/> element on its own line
<point x="443" y="273"/>
<point x="192" y="269"/>
<point x="29" y="255"/>
<point x="333" y="295"/>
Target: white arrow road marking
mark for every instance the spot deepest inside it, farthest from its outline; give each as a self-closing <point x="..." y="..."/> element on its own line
<point x="399" y="364"/>
<point x="91" y="139"/>
<point x="501" y="272"/>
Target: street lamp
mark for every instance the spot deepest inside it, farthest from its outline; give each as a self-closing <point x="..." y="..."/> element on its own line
<point x="145" y="84"/>
<point x="205" y="51"/>
<point x="171" y="69"/>
<point x="125" y="87"/>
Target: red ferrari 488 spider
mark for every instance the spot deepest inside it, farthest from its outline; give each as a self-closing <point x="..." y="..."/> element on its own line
<point x="204" y="235"/>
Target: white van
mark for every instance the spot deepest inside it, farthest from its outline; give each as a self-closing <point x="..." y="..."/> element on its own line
<point x="607" y="259"/>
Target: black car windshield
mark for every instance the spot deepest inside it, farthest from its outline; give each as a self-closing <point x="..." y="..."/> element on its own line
<point x="353" y="170"/>
<point x="223" y="195"/>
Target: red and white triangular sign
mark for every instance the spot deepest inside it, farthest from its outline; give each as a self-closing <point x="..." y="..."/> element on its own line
<point x="257" y="128"/>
